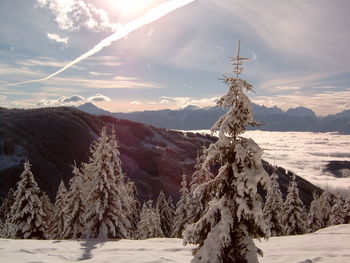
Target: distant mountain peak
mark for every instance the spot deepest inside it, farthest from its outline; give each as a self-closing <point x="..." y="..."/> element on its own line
<point x="190" y="107"/>
<point x="91" y="108"/>
<point x="301" y="112"/>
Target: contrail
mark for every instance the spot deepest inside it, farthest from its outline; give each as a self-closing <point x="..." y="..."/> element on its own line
<point x="151" y="16"/>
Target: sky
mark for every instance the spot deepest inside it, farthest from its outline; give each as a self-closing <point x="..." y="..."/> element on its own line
<point x="298" y="53"/>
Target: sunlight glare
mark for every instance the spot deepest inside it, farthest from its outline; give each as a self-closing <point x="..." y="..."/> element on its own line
<point x="130" y="8"/>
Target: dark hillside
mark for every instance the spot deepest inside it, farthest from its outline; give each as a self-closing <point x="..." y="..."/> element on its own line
<point x="53" y="138"/>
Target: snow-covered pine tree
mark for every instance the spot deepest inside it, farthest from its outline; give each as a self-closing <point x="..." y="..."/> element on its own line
<point x="135" y="207"/>
<point x="58" y="216"/>
<point x="47" y="207"/>
<point x="337" y="213"/>
<point x="314" y="217"/>
<point x="347" y="210"/>
<point x="6" y="206"/>
<point x="149" y="225"/>
<point x="74" y="207"/>
<point x="108" y="212"/>
<point x="27" y="218"/>
<point x="171" y="203"/>
<point x="181" y="210"/>
<point x="5" y="211"/>
<point x="225" y="233"/>
<point x="166" y="214"/>
<point x="325" y="207"/>
<point x="273" y="208"/>
<point x="294" y="211"/>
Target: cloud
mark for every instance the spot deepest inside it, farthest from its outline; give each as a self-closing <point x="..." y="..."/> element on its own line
<point x="57" y="38"/>
<point x="74" y="98"/>
<point x="181" y="102"/>
<point x="100" y="73"/>
<point x="71" y="15"/>
<point x="299" y="30"/>
<point x="62" y="101"/>
<point x="98" y="98"/>
<point x="71" y="100"/>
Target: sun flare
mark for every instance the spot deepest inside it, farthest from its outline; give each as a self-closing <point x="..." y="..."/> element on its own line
<point x="130" y="8"/>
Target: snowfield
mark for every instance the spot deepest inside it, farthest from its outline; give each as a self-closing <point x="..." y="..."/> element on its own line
<point x="331" y="245"/>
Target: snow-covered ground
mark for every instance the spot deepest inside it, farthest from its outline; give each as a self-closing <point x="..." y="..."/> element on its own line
<point x="330" y="245"/>
<point x="305" y="153"/>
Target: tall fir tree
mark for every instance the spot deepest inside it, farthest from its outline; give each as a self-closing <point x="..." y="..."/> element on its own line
<point x="166" y="214"/>
<point x="108" y="212"/>
<point x="273" y="208"/>
<point x="225" y="233"/>
<point x="180" y="220"/>
<point x="58" y="216"/>
<point x="27" y="218"/>
<point x="314" y="217"/>
<point x="294" y="211"/>
<point x="74" y="206"/>
<point x="337" y="213"/>
<point x="149" y="225"/>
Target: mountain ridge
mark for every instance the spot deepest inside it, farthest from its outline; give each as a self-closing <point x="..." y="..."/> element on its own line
<point x="271" y="118"/>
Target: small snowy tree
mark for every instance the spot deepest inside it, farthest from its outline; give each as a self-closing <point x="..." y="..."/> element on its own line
<point x="314" y="217"/>
<point x="58" y="216"/>
<point x="134" y="205"/>
<point x="294" y="211"/>
<point x="337" y="213"/>
<point x="6" y="206"/>
<point x="347" y="210"/>
<point x="5" y="211"/>
<point x="181" y="210"/>
<point x="234" y="216"/>
<point x="108" y="212"/>
<point x="149" y="225"/>
<point x="171" y="203"/>
<point x="325" y="207"/>
<point x="47" y="206"/>
<point x="74" y="207"/>
<point x="166" y="214"/>
<point x="27" y="218"/>
<point x="273" y="208"/>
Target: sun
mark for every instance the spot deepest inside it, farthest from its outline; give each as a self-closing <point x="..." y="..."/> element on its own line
<point x="131" y="8"/>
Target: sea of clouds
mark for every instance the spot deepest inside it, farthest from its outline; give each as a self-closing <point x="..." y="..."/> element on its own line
<point x="305" y="153"/>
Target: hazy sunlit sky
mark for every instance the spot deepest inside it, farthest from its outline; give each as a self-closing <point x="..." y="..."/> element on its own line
<point x="299" y="52"/>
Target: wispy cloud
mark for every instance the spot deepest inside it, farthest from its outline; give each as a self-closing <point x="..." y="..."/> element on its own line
<point x="57" y="38"/>
<point x="181" y="102"/>
<point x="100" y="73"/>
<point x="98" y="98"/>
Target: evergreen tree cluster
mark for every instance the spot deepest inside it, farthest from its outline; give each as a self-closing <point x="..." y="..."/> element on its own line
<point x="100" y="202"/>
<point x="292" y="218"/>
